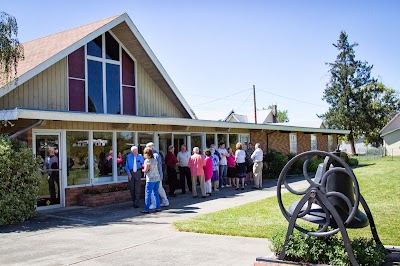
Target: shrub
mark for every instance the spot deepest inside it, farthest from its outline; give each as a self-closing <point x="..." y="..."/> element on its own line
<point x="297" y="167"/>
<point x="327" y="250"/>
<point x="19" y="181"/>
<point x="352" y="162"/>
<point x="312" y="165"/>
<point x="276" y="161"/>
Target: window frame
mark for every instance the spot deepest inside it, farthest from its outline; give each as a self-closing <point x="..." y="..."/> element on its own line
<point x="104" y="61"/>
<point x="293" y="143"/>
<point x="311" y="142"/>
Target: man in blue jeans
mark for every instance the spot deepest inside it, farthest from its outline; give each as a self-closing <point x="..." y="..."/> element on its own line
<point x="223" y="165"/>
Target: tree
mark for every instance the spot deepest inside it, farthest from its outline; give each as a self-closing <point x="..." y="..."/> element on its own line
<point x="357" y="101"/>
<point x="282" y="115"/>
<point x="380" y="103"/>
<point x="11" y="51"/>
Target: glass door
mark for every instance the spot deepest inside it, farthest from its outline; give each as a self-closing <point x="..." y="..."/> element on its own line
<point x="47" y="147"/>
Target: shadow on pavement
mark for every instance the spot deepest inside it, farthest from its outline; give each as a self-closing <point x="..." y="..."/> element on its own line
<point x="65" y="218"/>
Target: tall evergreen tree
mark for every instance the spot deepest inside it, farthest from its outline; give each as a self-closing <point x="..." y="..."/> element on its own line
<point x="11" y="51"/>
<point x="357" y="101"/>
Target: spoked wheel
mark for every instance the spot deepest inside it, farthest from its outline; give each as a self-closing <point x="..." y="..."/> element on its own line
<point x="314" y="205"/>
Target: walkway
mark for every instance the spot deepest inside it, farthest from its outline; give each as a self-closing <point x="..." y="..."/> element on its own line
<point x="120" y="235"/>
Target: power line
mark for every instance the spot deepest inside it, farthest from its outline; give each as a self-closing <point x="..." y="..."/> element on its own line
<point x="292" y="98"/>
<point x="244" y="102"/>
<point x="221" y="98"/>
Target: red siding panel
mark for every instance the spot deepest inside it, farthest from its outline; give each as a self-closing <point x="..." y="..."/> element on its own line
<point x="77" y="95"/>
<point x="128" y="70"/>
<point x="128" y="96"/>
<point x="76" y="64"/>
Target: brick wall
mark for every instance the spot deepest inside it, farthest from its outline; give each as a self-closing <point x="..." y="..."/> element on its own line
<point x="322" y="142"/>
<point x="279" y="141"/>
<point x="71" y="194"/>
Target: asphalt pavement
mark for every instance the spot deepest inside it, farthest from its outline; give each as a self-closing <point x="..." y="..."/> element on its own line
<point x="118" y="234"/>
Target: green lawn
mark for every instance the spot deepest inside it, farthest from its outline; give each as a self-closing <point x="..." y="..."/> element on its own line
<point x="379" y="184"/>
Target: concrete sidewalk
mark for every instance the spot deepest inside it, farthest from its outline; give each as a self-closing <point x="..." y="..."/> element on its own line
<point x="120" y="235"/>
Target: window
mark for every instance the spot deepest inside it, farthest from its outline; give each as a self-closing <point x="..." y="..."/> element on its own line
<point x="314" y="145"/>
<point x="330" y="143"/>
<point x="94" y="47"/>
<point x="102" y="78"/>
<point x="293" y="142"/>
<point x="125" y="140"/>
<point x="102" y="157"/>
<point x="77" y="158"/>
<point x="95" y="87"/>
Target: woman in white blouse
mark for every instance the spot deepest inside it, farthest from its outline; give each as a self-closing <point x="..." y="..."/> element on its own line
<point x="241" y="169"/>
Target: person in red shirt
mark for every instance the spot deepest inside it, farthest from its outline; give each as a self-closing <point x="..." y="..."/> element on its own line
<point x="196" y="165"/>
<point x="171" y="162"/>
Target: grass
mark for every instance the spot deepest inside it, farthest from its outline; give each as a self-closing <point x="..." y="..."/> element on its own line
<point x="379" y="184"/>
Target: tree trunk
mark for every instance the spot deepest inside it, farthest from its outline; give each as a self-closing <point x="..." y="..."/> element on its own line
<point x="352" y="144"/>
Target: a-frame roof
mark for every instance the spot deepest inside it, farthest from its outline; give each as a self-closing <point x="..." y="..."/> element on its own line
<point x="44" y="52"/>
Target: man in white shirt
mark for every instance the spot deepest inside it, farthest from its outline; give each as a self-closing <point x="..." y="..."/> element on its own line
<point x="257" y="158"/>
<point x="223" y="165"/>
<point x="184" y="171"/>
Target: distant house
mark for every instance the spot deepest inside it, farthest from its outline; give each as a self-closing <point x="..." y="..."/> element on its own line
<point x="391" y="136"/>
<point x="263" y="117"/>
<point x="93" y="91"/>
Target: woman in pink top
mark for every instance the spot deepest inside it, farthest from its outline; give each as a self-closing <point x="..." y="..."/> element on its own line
<point x="196" y="165"/>
<point x="231" y="168"/>
<point x="208" y="171"/>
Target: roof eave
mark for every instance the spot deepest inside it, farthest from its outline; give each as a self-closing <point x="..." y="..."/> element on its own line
<point x="57" y="57"/>
<point x="159" y="66"/>
<point x="107" y="118"/>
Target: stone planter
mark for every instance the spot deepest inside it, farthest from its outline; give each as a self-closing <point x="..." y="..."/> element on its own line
<point x="92" y="200"/>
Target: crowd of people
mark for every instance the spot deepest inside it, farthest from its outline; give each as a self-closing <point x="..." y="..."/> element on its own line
<point x="213" y="170"/>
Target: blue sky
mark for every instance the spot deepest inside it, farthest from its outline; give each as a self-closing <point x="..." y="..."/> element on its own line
<point x="215" y="51"/>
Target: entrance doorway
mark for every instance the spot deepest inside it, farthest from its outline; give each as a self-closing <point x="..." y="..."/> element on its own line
<point x="47" y="147"/>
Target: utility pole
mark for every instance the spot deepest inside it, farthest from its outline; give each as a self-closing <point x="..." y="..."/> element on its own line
<point x="255" y="107"/>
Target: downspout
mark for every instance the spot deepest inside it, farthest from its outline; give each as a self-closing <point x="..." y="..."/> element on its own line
<point x="16" y="134"/>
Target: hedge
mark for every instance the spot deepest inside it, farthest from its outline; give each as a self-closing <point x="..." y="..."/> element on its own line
<point x="19" y="181"/>
<point x="327" y="250"/>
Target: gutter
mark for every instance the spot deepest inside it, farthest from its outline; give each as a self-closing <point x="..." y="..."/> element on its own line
<point x="16" y="134"/>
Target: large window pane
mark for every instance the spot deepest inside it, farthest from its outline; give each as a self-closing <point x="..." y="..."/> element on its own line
<point x="196" y="142"/>
<point x="209" y="140"/>
<point x="94" y="47"/>
<point x="144" y="138"/>
<point x="113" y="89"/>
<point x="124" y="144"/>
<point x="233" y="139"/>
<point x="102" y="156"/>
<point x="95" y="87"/>
<point x="112" y="48"/>
<point x="77" y="158"/>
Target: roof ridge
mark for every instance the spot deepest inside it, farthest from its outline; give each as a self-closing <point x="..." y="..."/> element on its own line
<point x="73" y="29"/>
